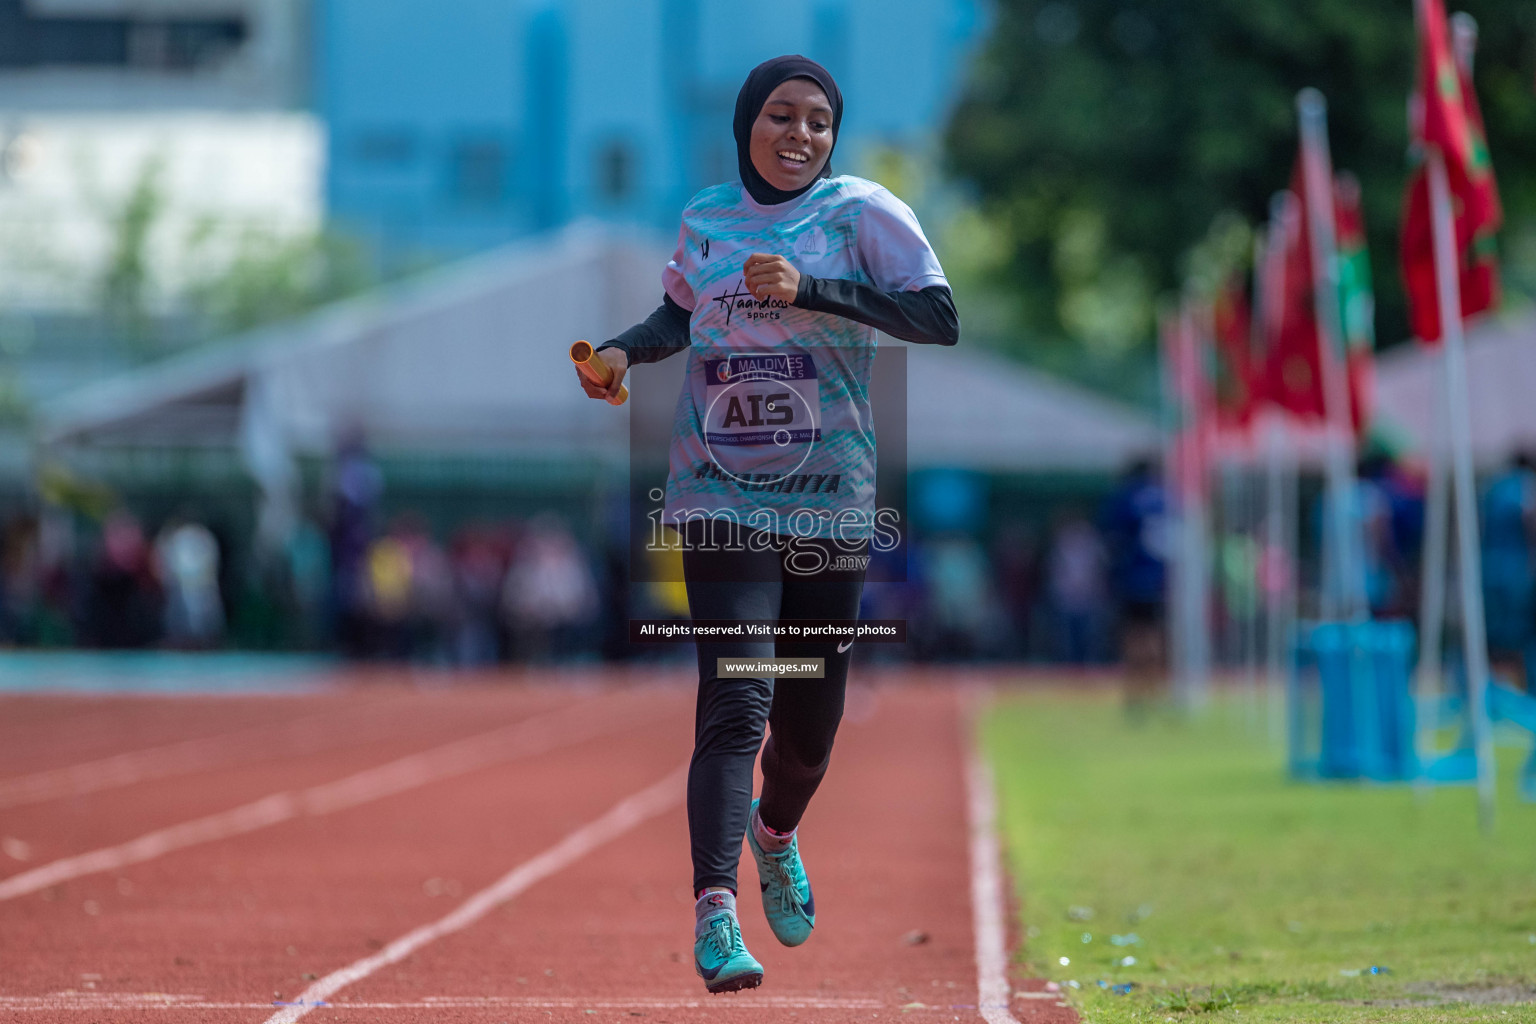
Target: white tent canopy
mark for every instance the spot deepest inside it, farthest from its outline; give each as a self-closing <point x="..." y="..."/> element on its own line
<point x="1501" y="376"/>
<point x="971" y="409"/>
<point x="469" y="357"/>
<point x="473" y="358"/>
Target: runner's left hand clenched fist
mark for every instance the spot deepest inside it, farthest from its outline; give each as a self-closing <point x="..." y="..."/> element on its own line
<point x="771" y="277"/>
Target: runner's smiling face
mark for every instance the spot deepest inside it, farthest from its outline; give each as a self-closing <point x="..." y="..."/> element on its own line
<point x="792" y="136"/>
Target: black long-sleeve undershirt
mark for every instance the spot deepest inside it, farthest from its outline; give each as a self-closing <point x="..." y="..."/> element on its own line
<point x="927" y="317"/>
<point x="663" y="333"/>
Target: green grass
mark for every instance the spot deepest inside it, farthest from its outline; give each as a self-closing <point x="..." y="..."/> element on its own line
<point x="1251" y="896"/>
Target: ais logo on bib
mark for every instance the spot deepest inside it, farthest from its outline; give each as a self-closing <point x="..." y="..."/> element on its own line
<point x="762" y="413"/>
<point x="762" y="399"/>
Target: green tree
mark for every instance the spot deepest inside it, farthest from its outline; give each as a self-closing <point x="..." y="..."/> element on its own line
<point x="126" y="279"/>
<point x="1110" y="140"/>
<point x="272" y="277"/>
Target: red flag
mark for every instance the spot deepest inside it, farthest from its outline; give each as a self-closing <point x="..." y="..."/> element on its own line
<point x="1291" y="373"/>
<point x="1291" y="377"/>
<point x="1232" y="370"/>
<point x="1442" y="112"/>
<point x="1191" y="401"/>
<point x="1445" y="116"/>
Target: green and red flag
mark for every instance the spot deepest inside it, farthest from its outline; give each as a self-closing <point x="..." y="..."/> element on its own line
<point x="1290" y="376"/>
<point x="1357" y="302"/>
<point x="1445" y="116"/>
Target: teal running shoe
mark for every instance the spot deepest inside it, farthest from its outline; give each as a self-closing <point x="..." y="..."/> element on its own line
<point x="720" y="956"/>
<point x="788" y="902"/>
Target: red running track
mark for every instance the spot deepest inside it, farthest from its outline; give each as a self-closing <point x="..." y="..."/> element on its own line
<point x="515" y="852"/>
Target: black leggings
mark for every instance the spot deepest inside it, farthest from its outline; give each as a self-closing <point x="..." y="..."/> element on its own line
<point x="802" y="714"/>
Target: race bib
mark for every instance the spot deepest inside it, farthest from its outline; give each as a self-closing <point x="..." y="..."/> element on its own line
<point x="762" y="411"/>
<point x="762" y="399"/>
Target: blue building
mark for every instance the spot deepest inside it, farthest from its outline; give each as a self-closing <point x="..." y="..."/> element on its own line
<point x="458" y="125"/>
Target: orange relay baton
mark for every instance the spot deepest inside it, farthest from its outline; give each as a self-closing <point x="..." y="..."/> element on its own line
<point x="595" y="370"/>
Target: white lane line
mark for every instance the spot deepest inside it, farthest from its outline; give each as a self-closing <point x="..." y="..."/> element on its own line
<point x="161" y="1001"/>
<point x="303" y="735"/>
<point x="987" y="906"/>
<point x="624" y="816"/>
<point x="264" y="812"/>
<point x="537" y="735"/>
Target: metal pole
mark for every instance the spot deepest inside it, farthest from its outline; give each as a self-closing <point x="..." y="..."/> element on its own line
<point x="1224" y="533"/>
<point x="1317" y="180"/>
<point x="1270" y="292"/>
<point x="1433" y="575"/>
<point x="1463" y="39"/>
<point x="1173" y="455"/>
<point x="1275" y="559"/>
<point x="1195" y="576"/>
<point x="1253" y="492"/>
<point x="1474" y="630"/>
<point x="1290" y="519"/>
<point x="1252" y="610"/>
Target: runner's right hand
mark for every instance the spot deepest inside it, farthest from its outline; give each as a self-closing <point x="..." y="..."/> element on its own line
<point x="618" y="362"/>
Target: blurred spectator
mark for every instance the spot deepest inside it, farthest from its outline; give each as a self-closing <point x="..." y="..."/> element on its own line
<point x="387" y="599"/>
<point x="1137" y="530"/>
<point x="123" y="604"/>
<point x="1388" y="569"/>
<point x="479" y="565"/>
<point x="1239" y="556"/>
<point x="1385" y="508"/>
<point x="356" y="490"/>
<point x="962" y="616"/>
<point x="1016" y="556"/>
<point x="549" y="596"/>
<point x="61" y="581"/>
<point x="431" y="600"/>
<point x="616" y="609"/>
<point x="187" y="560"/>
<point x="1076" y="570"/>
<point x="308" y="564"/>
<point x="893" y="592"/>
<point x="1276" y="573"/>
<point x="20" y="581"/>
<point x="1509" y="538"/>
<point x="666" y="596"/>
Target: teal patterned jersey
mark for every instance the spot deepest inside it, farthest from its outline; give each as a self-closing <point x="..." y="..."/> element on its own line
<point x="773" y="426"/>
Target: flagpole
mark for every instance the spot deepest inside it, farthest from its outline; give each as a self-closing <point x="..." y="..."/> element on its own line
<point x="1253" y="497"/>
<point x="1269" y="288"/>
<point x="1252" y="504"/>
<point x="1433" y="574"/>
<point x="1173" y="483"/>
<point x="1463" y="39"/>
<point x="1276" y="559"/>
<point x="1194" y="574"/>
<point x="1473" y="629"/>
<point x="1291" y="519"/>
<point x="1198" y="537"/>
<point x="1317" y="180"/>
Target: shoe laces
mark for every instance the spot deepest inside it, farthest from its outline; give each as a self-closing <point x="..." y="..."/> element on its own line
<point x="724" y="935"/>
<point x="788" y="874"/>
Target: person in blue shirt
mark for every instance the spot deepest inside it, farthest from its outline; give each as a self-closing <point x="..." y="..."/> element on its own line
<point x="1509" y="539"/>
<point x="1137" y="532"/>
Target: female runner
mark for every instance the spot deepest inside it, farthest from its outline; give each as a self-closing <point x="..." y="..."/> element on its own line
<point x="778" y="285"/>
